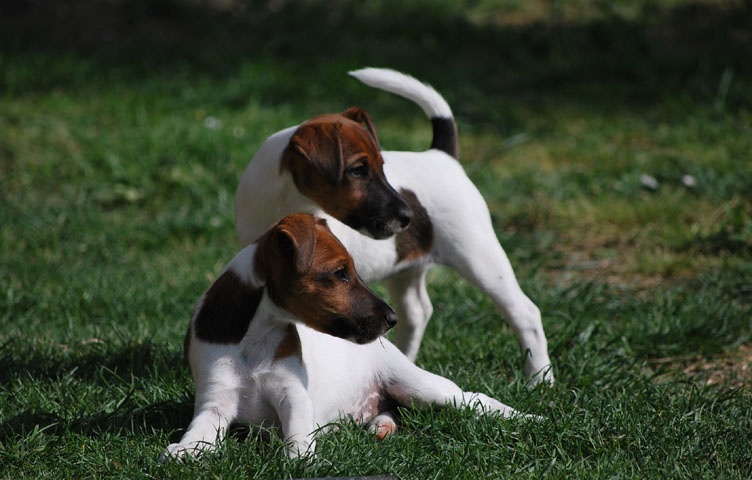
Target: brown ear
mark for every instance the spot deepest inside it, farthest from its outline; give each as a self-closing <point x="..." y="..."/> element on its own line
<point x="321" y="146"/>
<point x="296" y="237"/>
<point x="290" y="242"/>
<point x="359" y="115"/>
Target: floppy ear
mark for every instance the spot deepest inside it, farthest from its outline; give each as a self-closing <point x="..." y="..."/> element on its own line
<point x="321" y="146"/>
<point x="290" y="242"/>
<point x="359" y="115"/>
<point x="297" y="241"/>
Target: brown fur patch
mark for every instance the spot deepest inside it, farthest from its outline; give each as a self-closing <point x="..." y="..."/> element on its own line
<point x="335" y="160"/>
<point x="327" y="295"/>
<point x="417" y="240"/>
<point x="319" y="154"/>
<point x="290" y="345"/>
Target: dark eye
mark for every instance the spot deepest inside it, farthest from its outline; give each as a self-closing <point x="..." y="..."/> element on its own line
<point x="342" y="275"/>
<point x="358" y="171"/>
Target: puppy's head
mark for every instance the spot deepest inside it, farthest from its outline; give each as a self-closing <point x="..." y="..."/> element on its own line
<point x="308" y="272"/>
<point x="335" y="160"/>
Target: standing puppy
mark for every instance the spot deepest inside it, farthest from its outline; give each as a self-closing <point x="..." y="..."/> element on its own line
<point x="281" y="339"/>
<point x="332" y="166"/>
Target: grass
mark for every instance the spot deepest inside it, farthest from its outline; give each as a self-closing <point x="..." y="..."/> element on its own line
<point x="124" y="127"/>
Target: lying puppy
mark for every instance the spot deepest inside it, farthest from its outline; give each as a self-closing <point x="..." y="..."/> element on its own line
<point x="284" y="338"/>
<point x="332" y="166"/>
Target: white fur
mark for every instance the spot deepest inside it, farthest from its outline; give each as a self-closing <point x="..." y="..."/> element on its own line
<point x="464" y="238"/>
<point x="428" y="99"/>
<point x="332" y="379"/>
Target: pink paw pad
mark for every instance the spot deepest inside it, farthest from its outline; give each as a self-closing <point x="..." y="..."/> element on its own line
<point x="383" y="426"/>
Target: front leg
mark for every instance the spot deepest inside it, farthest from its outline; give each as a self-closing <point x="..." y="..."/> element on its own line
<point x="294" y="408"/>
<point x="410" y="298"/>
<point x="218" y="392"/>
<point x="208" y="427"/>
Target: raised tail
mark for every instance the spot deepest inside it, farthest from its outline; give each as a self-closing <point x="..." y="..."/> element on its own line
<point x="433" y="104"/>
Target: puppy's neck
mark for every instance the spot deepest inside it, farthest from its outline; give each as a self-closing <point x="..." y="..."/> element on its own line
<point x="290" y="200"/>
<point x="272" y="334"/>
<point x="270" y="322"/>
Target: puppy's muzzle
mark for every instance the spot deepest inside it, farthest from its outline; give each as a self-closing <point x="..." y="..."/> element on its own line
<point x="390" y="318"/>
<point x="379" y="324"/>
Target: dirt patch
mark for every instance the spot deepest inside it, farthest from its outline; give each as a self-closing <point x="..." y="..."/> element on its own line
<point x="731" y="370"/>
<point x="608" y="263"/>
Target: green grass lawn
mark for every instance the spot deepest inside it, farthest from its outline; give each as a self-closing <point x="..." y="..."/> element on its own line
<point x="612" y="140"/>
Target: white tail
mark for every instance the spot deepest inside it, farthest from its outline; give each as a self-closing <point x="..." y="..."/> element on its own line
<point x="428" y="99"/>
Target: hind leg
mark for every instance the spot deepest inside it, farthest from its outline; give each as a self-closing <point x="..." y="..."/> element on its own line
<point x="410" y="298"/>
<point x="383" y="425"/>
<point x="469" y="245"/>
<point x="488" y="267"/>
<point x="414" y="387"/>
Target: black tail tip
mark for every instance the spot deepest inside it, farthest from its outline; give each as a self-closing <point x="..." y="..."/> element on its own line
<point x="445" y="136"/>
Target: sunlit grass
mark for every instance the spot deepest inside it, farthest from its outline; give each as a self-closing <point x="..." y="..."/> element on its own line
<point x="120" y="150"/>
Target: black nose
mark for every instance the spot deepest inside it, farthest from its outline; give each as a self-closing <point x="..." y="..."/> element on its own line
<point x="405" y="215"/>
<point x="390" y="318"/>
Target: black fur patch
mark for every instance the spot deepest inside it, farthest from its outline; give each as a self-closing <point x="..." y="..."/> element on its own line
<point x="417" y="239"/>
<point x="186" y="345"/>
<point x="227" y="310"/>
<point x="445" y="136"/>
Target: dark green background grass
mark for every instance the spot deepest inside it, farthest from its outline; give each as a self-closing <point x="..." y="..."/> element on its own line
<point x="125" y="125"/>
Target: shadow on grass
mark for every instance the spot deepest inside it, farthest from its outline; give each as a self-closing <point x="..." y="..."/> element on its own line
<point x="120" y="370"/>
<point x="303" y="44"/>
<point x="91" y="361"/>
<point x="166" y="416"/>
<point x="115" y="369"/>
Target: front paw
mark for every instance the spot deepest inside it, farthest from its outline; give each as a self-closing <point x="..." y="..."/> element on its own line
<point x="304" y="450"/>
<point x="177" y="452"/>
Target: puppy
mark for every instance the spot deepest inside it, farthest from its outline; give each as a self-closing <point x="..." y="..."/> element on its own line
<point x="332" y="166"/>
<point x="284" y="338"/>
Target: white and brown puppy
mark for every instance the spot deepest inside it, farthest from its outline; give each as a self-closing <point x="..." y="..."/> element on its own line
<point x="332" y="166"/>
<point x="281" y="339"/>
